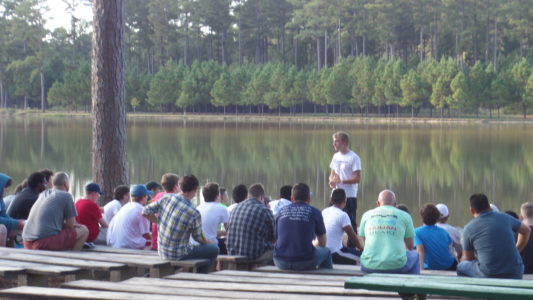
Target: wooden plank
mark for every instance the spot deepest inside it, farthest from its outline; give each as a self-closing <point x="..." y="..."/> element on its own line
<point x="346" y="272"/>
<point x="170" y="289"/>
<point x="256" y="280"/>
<point x="107" y="249"/>
<point x="9" y="271"/>
<point x="40" y="268"/>
<point x="40" y="256"/>
<point x="249" y="287"/>
<point x="526" y="284"/>
<point x="57" y="293"/>
<point x="283" y="275"/>
<point x="426" y="286"/>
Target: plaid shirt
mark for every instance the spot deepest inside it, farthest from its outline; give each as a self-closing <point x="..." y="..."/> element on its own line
<point x="178" y="219"/>
<point x="251" y="229"/>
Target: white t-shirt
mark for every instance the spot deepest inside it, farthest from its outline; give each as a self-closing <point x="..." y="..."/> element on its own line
<point x="277" y="205"/>
<point x="111" y="209"/>
<point x="127" y="228"/>
<point x="231" y="207"/>
<point x="345" y="165"/>
<point x="335" y="220"/>
<point x="213" y="214"/>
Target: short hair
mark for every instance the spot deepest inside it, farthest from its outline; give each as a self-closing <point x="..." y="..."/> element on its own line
<point x="338" y="196"/>
<point x="479" y="203"/>
<point x="430" y="214"/>
<point x="8" y="183"/>
<point x="301" y="192"/>
<point x="60" y="179"/>
<point x="47" y="174"/>
<point x="403" y="207"/>
<point x="222" y="190"/>
<point x="120" y="191"/>
<point x="21" y="186"/>
<point x="188" y="183"/>
<point x="512" y="214"/>
<point x="36" y="180"/>
<point x="256" y="190"/>
<point x="210" y="192"/>
<point x="239" y="193"/>
<point x="526" y="210"/>
<point x="285" y="192"/>
<point x="169" y="181"/>
<point x="343" y="136"/>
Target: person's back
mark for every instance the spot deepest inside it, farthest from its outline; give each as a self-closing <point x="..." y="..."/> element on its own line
<point x="284" y="199"/>
<point x="213" y="214"/>
<point x="23" y="202"/>
<point x="526" y="215"/>
<point x="251" y="227"/>
<point x="89" y="213"/>
<point x="48" y="214"/>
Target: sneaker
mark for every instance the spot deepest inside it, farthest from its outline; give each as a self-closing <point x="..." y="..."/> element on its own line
<point x="88" y="245"/>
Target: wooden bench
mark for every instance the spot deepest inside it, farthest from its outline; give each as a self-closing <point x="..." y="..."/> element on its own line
<point x="334" y="271"/>
<point x="112" y="271"/>
<point x="13" y="273"/>
<point x="444" y="285"/>
<point x="238" y="262"/>
<point x="37" y="273"/>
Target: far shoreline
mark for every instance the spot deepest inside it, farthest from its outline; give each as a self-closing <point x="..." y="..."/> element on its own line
<point x="275" y="118"/>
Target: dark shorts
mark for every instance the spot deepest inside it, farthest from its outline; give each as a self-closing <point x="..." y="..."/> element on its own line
<point x="64" y="240"/>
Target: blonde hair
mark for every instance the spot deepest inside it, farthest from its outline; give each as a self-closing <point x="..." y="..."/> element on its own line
<point x="526" y="210"/>
<point x="343" y="136"/>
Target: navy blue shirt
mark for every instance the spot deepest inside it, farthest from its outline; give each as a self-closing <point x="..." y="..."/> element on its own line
<point x="491" y="237"/>
<point x="297" y="225"/>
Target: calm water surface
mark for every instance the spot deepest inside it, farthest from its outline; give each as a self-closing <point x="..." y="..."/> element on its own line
<point x="421" y="163"/>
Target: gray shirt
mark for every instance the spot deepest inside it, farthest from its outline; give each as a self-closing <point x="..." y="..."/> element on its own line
<point x="491" y="237"/>
<point x="48" y="215"/>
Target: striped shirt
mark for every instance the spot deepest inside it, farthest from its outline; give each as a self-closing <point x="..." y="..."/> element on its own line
<point x="251" y="229"/>
<point x="178" y="220"/>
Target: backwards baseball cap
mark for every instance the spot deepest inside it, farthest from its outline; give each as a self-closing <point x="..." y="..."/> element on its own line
<point x="93" y="187"/>
<point x="140" y="190"/>
<point x="443" y="209"/>
<point x="153" y="185"/>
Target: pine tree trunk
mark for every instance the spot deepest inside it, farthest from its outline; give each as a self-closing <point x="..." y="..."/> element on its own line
<point x="318" y="53"/>
<point x="110" y="151"/>
<point x="325" y="49"/>
<point x="2" y="98"/>
<point x="43" y="98"/>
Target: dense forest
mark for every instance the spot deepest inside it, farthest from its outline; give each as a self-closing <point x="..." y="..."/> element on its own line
<point x="448" y="57"/>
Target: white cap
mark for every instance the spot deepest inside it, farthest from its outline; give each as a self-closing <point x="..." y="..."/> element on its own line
<point x="494" y="208"/>
<point x="443" y="209"/>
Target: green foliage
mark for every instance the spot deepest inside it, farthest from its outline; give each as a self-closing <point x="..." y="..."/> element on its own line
<point x="165" y="86"/>
<point x="75" y="90"/>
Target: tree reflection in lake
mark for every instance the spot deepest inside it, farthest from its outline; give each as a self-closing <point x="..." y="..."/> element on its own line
<point x="421" y="163"/>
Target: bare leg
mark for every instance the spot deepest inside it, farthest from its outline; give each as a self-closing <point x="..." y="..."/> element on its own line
<point x="3" y="235"/>
<point x="81" y="236"/>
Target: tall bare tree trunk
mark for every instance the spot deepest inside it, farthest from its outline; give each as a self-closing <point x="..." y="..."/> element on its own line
<point x="110" y="151"/>
<point x="43" y="98"/>
<point x="325" y="49"/>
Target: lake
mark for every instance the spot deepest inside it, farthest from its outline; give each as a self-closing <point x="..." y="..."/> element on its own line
<point x="420" y="162"/>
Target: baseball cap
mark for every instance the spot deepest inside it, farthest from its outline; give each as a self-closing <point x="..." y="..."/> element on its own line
<point x="152" y="185"/>
<point x="443" y="209"/>
<point x="93" y="187"/>
<point x="140" y="190"/>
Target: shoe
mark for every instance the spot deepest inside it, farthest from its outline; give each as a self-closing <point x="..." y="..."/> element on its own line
<point x="88" y="245"/>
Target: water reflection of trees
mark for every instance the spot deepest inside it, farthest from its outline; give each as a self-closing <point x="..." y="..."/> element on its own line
<point x="443" y="163"/>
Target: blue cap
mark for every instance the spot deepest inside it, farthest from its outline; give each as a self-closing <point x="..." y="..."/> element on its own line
<point x="93" y="187"/>
<point x="140" y="190"/>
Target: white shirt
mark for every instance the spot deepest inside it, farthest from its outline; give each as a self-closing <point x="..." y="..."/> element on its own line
<point x="213" y="214"/>
<point x="231" y="207"/>
<point x="127" y="227"/>
<point x="456" y="234"/>
<point x="345" y="165"/>
<point x="111" y="209"/>
<point x="335" y="220"/>
<point x="277" y="205"/>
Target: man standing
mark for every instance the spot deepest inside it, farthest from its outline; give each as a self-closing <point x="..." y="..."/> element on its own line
<point x="489" y="247"/>
<point x="178" y="220"/>
<point x="23" y="202"/>
<point x="251" y="230"/>
<point x="52" y="223"/>
<point x="388" y="233"/>
<point x="345" y="173"/>
<point x="297" y="225"/>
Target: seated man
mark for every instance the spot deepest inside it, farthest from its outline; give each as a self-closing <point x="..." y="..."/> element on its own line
<point x="121" y="196"/>
<point x="337" y="223"/>
<point x="489" y="248"/>
<point x="239" y="195"/>
<point x="23" y="202"/>
<point x="454" y="232"/>
<point x="89" y="213"/>
<point x="213" y="214"/>
<point x="170" y="183"/>
<point x="432" y="242"/>
<point x="284" y="199"/>
<point x="297" y="225"/>
<point x="388" y="234"/>
<point x="526" y="215"/>
<point x="12" y="226"/>
<point x="52" y="223"/>
<point x="129" y="229"/>
<point x="251" y="230"/>
<point x="177" y="220"/>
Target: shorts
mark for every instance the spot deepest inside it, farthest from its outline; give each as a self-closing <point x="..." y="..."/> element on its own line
<point x="64" y="240"/>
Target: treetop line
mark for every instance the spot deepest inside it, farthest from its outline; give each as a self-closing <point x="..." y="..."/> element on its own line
<point x="283" y="56"/>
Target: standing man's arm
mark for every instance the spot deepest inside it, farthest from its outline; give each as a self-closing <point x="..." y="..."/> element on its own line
<point x="523" y="237"/>
<point x="355" y="179"/>
<point x="333" y="179"/>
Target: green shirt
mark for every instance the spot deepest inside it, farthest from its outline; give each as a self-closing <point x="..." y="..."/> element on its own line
<point x="384" y="229"/>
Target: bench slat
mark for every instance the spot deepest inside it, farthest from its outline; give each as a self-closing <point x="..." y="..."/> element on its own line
<point x="257" y="280"/>
<point x="40" y="268"/>
<point x="347" y="272"/>
<point x="283" y="275"/>
<point x="425" y="286"/>
<point x="461" y="280"/>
